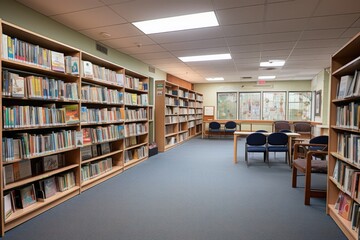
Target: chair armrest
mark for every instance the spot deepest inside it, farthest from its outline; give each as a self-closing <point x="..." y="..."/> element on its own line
<point x="305" y="148"/>
<point x="309" y="158"/>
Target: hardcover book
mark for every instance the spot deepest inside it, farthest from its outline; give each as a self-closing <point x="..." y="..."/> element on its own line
<point x="71" y="114"/>
<point x="18" y="86"/>
<point x="27" y="196"/>
<point x="50" y="162"/>
<point x="57" y="61"/>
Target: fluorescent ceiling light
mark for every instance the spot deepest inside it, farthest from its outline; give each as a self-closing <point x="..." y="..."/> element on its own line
<point x="206" y="57"/>
<point x="273" y="63"/>
<point x="266" y="77"/>
<point x="215" y="79"/>
<point x="191" y="21"/>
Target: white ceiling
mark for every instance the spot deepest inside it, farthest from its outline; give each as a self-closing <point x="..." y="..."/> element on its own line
<point x="303" y="32"/>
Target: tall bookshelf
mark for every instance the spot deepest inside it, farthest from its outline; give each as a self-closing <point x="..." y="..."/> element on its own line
<point x="344" y="139"/>
<point x="70" y="121"/>
<point x="177" y="114"/>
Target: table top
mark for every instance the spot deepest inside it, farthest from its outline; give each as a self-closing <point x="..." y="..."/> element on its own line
<point x="242" y="133"/>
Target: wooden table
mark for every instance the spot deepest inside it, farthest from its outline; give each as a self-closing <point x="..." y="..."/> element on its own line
<point x="238" y="134"/>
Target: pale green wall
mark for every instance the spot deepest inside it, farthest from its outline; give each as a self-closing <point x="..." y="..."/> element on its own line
<point x="20" y="15"/>
<point x="210" y="89"/>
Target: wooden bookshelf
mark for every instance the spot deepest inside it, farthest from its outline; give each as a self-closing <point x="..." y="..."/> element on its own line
<point x="178" y="114"/>
<point x="105" y="100"/>
<point x="344" y="132"/>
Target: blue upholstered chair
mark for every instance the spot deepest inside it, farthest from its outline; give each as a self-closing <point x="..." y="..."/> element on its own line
<point x="261" y="131"/>
<point x="256" y="143"/>
<point x="278" y="142"/>
<point x="230" y="127"/>
<point x="285" y="131"/>
<point x="214" y="128"/>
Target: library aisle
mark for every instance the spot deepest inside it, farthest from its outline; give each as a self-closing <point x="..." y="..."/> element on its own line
<point x="193" y="191"/>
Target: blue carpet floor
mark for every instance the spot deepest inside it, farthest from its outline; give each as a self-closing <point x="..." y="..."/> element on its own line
<point x="192" y="192"/>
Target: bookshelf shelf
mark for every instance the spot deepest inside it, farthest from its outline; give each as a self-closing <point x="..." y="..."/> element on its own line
<point x="82" y="101"/>
<point x="343" y="143"/>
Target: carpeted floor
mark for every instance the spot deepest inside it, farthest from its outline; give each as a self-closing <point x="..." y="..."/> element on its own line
<point x="192" y="192"/>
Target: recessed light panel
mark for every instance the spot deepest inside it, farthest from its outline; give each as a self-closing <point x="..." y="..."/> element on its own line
<point x="191" y="21"/>
<point x="273" y="63"/>
<point x="266" y="77"/>
<point x="212" y="57"/>
<point x="215" y="79"/>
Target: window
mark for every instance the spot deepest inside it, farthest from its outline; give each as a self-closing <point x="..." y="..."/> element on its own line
<point x="226" y="105"/>
<point x="299" y="106"/>
<point x="249" y="105"/>
<point x="274" y="105"/>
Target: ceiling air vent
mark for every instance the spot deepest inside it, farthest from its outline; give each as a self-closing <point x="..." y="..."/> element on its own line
<point x="151" y="69"/>
<point x="101" y="48"/>
<point x="246" y="78"/>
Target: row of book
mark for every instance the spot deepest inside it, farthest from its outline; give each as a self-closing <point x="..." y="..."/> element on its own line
<point x="132" y="141"/>
<point x="30" y="116"/>
<point x="169" y="129"/>
<point x="91" y="151"/>
<point x="135" y="83"/>
<point x="136" y="114"/>
<point x="93" y="71"/>
<point x="183" y="136"/>
<point x="172" y="110"/>
<point x="27" y="168"/>
<point x="95" y="169"/>
<point x="136" y="99"/>
<point x="348" y="146"/>
<point x="137" y="153"/>
<point x="171" y="119"/>
<point x="348" y="116"/>
<point x="349" y="86"/>
<point x="36" y="87"/>
<point x="171" y="140"/>
<point x="102" y="134"/>
<point x="135" y="129"/>
<point x="348" y="178"/>
<point x="102" y="115"/>
<point x="97" y="94"/>
<point x="19" y="50"/>
<point x="25" y="145"/>
<point x="28" y="195"/>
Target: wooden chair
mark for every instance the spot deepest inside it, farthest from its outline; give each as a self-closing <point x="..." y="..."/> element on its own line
<point x="305" y="162"/>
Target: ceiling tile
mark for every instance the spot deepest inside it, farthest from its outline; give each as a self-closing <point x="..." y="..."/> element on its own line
<point x="245" y="48"/>
<point x="278" y="46"/>
<point x="243" y="29"/>
<point x="223" y="4"/>
<point x="200" y="51"/>
<point x="337" y="43"/>
<point x="248" y="55"/>
<point x="145" y="56"/>
<point x="290" y="10"/>
<point x="142" y="49"/>
<point x="240" y="15"/>
<point x="313" y="51"/>
<point x="146" y="10"/>
<point x="116" y="31"/>
<point x="85" y="19"/>
<point x="129" y="42"/>
<point x="357" y="23"/>
<point x="290" y="25"/>
<point x="333" y="7"/>
<point x="187" y="35"/>
<point x="328" y="22"/>
<point x="209" y="43"/>
<point x="50" y="8"/>
<point x="351" y="32"/>
<point x="322" y="34"/>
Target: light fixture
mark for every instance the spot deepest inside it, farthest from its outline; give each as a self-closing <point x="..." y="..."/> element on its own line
<point x="211" y="57"/>
<point x="266" y="77"/>
<point x="215" y="79"/>
<point x="273" y="63"/>
<point x="191" y="21"/>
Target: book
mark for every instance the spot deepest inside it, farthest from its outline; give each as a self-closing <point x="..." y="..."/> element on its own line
<point x="17" y="86"/>
<point x="22" y="169"/>
<point x="8" y="207"/>
<point x="351" y="88"/>
<point x="88" y="69"/>
<point x="71" y="113"/>
<point x="79" y="141"/>
<point x="105" y="148"/>
<point x="86" y="153"/>
<point x="344" y="84"/>
<point x="57" y="61"/>
<point x="86" y="136"/>
<point x="50" y="162"/>
<point x="357" y="83"/>
<point x="345" y="207"/>
<point x="26" y="196"/>
<point x="47" y="188"/>
<point x="74" y="65"/>
<point x="8" y="172"/>
<point x="94" y="150"/>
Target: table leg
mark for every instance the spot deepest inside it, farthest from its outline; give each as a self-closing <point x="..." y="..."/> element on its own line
<point x="235" y="148"/>
<point x="290" y="151"/>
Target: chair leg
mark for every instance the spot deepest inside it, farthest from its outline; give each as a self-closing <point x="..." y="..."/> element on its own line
<point x="246" y="159"/>
<point x="294" y="177"/>
<point x="307" y="188"/>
